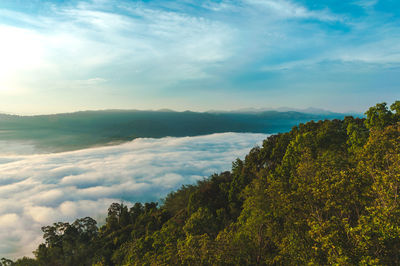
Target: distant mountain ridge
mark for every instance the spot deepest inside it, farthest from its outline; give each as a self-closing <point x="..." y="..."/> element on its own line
<point x="71" y="131"/>
<point x="309" y="110"/>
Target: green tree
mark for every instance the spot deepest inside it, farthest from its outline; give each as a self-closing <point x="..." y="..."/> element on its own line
<point x="379" y="116"/>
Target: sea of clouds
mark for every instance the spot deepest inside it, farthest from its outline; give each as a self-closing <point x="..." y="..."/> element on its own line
<point x="40" y="189"/>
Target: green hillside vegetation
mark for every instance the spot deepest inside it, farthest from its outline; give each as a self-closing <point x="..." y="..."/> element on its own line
<point x="62" y="132"/>
<point x="326" y="192"/>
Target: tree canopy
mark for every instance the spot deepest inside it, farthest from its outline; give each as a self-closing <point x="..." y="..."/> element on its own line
<point x="326" y="192"/>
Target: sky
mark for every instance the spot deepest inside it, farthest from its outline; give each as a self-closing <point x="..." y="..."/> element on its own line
<point x="68" y="55"/>
<point x="40" y="189"/>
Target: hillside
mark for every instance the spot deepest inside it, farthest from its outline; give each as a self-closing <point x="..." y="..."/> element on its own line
<point x="71" y="131"/>
<point x="324" y="193"/>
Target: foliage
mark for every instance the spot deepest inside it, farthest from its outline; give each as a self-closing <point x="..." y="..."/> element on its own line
<point x="326" y="192"/>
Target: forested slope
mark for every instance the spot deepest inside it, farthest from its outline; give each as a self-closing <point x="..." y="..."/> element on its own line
<point x="324" y="193"/>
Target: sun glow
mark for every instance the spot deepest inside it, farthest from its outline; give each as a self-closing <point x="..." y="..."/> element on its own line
<point x="21" y="51"/>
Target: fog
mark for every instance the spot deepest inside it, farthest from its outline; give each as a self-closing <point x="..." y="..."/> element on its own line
<point x="40" y="189"/>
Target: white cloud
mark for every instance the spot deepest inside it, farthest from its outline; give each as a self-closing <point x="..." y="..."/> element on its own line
<point x="366" y="4"/>
<point x="289" y="9"/>
<point x="77" y="41"/>
<point x="37" y="190"/>
<point x="135" y="54"/>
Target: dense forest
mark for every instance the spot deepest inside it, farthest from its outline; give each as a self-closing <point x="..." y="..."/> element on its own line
<point x="326" y="192"/>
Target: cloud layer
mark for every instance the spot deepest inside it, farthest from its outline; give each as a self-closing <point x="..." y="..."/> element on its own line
<point x="37" y="190"/>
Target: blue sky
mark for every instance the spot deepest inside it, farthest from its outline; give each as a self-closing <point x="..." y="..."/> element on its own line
<point x="61" y="56"/>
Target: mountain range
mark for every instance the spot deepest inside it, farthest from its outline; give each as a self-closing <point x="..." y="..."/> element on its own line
<point x="72" y="131"/>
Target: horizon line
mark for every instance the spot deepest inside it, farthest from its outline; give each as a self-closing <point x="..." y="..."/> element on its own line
<point x="249" y="110"/>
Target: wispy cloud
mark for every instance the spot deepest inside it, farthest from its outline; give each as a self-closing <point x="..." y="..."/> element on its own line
<point x="289" y="9"/>
<point x="143" y="47"/>
<point x="181" y="54"/>
<point x="37" y="190"/>
<point x="367" y="4"/>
